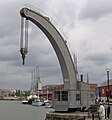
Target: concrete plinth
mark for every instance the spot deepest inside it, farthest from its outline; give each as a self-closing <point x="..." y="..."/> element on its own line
<point x="66" y="116"/>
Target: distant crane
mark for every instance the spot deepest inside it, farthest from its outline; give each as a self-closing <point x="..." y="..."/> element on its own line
<point x="38" y="82"/>
<point x="35" y="81"/>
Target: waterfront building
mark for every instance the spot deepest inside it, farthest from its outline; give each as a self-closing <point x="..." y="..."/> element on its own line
<point x="4" y="93"/>
<point x="103" y="90"/>
<point x="47" y="90"/>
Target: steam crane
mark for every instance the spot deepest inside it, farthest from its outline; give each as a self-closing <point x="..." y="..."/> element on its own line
<point x="75" y="94"/>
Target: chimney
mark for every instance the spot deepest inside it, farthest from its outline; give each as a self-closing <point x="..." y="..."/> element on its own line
<point x="81" y="78"/>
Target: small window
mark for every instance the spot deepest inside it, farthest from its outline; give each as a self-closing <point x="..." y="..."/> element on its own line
<point x="92" y="95"/>
<point x="102" y="91"/>
<point x="77" y="97"/>
<point x="64" y="95"/>
<point x="57" y="95"/>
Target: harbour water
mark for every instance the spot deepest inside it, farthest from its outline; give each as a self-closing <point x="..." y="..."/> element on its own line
<point x="14" y="110"/>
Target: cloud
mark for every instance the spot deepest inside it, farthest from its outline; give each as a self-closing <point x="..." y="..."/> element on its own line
<point x="86" y="25"/>
<point x="96" y="9"/>
<point x="99" y="58"/>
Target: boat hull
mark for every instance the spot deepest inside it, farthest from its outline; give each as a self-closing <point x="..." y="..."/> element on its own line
<point x="37" y="103"/>
<point x="25" y="102"/>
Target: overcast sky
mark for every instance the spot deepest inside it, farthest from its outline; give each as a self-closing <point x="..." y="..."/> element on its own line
<point x="85" y="24"/>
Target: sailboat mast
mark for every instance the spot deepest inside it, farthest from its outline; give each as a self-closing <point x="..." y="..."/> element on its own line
<point x="47" y="94"/>
<point x="32" y="82"/>
<point x="38" y="80"/>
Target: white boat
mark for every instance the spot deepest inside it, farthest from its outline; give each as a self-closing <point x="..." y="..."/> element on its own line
<point x="47" y="104"/>
<point x="24" y="102"/>
<point x="14" y="98"/>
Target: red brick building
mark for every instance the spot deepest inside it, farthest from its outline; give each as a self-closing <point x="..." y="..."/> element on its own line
<point x="48" y="89"/>
<point x="103" y="89"/>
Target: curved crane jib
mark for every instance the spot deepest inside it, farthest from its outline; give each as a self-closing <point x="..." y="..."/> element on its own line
<point x="58" y="43"/>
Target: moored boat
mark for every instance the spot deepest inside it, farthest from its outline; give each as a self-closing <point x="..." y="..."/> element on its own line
<point x="37" y="103"/>
<point x="47" y="104"/>
<point x="24" y="102"/>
